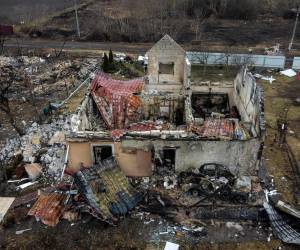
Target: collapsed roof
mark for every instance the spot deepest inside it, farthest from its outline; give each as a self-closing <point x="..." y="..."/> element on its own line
<point x="106" y="190"/>
<point x="116" y="100"/>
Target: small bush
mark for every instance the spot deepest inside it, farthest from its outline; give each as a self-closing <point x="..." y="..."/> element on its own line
<point x="241" y="9"/>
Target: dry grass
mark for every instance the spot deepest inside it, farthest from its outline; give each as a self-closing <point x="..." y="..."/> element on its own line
<point x="213" y="73"/>
<point x="279" y="102"/>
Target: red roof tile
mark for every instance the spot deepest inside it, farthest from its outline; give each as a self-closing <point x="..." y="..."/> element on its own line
<point x="116" y="101"/>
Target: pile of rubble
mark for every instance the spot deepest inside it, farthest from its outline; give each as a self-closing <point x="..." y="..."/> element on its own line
<point x="34" y="82"/>
<point x="42" y="143"/>
<point x="50" y="73"/>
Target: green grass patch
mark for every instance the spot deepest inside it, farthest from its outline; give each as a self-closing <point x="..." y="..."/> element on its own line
<point x="213" y="73"/>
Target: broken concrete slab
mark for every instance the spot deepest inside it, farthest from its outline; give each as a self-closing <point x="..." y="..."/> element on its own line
<point x="243" y="183"/>
<point x="5" y="203"/>
<point x="58" y="138"/>
<point x="26" y="185"/>
<point x="234" y="225"/>
<point x="288" y="209"/>
<point x="34" y="170"/>
<point x="171" y="246"/>
<point x="288" y="73"/>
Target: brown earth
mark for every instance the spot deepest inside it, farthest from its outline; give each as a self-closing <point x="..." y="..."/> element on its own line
<point x="280" y="102"/>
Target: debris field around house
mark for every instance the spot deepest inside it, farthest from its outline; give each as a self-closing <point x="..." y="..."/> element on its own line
<point x="162" y="146"/>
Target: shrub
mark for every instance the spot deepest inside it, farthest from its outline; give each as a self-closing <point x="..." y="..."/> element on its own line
<point x="241" y="9"/>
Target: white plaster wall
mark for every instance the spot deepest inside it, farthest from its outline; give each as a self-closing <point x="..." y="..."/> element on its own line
<point x="247" y="99"/>
<point x="239" y="156"/>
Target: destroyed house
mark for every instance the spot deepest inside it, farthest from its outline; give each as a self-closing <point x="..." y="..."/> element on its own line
<point x="167" y="123"/>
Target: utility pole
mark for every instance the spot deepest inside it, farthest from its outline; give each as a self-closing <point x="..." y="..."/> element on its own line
<point x="295" y="27"/>
<point x="76" y="15"/>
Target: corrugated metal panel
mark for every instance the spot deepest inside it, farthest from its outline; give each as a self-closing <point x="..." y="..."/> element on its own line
<point x="119" y="196"/>
<point x="236" y="59"/>
<point x="48" y="208"/>
<point x="296" y="63"/>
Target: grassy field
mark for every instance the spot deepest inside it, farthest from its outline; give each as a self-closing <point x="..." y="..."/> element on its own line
<point x="280" y="102"/>
<point x="16" y="11"/>
<point x="213" y="73"/>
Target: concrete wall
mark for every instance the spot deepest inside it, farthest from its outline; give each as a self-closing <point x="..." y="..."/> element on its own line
<point x="165" y="51"/>
<point x="229" y="90"/>
<point x="154" y="106"/>
<point x="246" y="97"/>
<point x="134" y="162"/>
<point x="239" y="156"/>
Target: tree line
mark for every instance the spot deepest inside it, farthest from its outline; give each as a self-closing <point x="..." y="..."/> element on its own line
<point x="148" y="20"/>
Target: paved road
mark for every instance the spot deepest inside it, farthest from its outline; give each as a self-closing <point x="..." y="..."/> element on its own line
<point x="135" y="48"/>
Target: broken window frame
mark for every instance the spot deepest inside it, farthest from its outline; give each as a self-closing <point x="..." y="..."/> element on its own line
<point x="170" y="71"/>
<point x="101" y="145"/>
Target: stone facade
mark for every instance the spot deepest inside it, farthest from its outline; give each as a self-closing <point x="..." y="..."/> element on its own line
<point x="168" y="53"/>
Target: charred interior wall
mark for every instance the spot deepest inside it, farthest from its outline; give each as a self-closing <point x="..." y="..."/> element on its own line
<point x="133" y="161"/>
<point x="221" y="89"/>
<point x="239" y="156"/>
<point x="169" y="106"/>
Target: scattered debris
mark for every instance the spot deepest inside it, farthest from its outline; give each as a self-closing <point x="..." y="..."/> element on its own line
<point x="287" y="209"/>
<point x="171" y="246"/>
<point x="106" y="190"/>
<point x="288" y="73"/>
<point x="243" y="183"/>
<point x="266" y="78"/>
<point x="26" y="185"/>
<point x="283" y="231"/>
<point x="48" y="208"/>
<point x="152" y="122"/>
<point x="18" y="232"/>
<point x="34" y="170"/>
<point x="234" y="225"/>
<point x="71" y="215"/>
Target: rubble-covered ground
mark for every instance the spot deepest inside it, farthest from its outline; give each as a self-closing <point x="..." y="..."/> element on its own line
<point x="137" y="231"/>
<point x="34" y="83"/>
<point x="37" y="81"/>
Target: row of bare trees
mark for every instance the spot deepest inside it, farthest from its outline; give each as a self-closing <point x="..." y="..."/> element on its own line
<point x="148" y="20"/>
<point x="6" y="86"/>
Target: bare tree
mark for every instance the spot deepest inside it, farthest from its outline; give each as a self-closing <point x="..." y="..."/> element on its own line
<point x="5" y="89"/>
<point x="58" y="52"/>
<point x="198" y="21"/>
<point x="202" y="59"/>
<point x="2" y="41"/>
